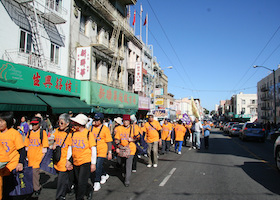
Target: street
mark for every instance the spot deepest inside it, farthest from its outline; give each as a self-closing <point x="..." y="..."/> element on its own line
<point x="229" y="169"/>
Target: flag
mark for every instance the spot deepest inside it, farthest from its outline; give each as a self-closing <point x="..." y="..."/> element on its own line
<point x="134" y="18"/>
<point x="145" y="22"/>
<point x="194" y="108"/>
<point x="128" y="13"/>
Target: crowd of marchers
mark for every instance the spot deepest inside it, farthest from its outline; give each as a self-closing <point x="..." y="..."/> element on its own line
<point x="80" y="146"/>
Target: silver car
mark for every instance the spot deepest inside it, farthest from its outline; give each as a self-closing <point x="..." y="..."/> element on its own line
<point x="277" y="152"/>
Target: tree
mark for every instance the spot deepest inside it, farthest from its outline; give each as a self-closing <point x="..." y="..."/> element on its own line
<point x="213" y="112"/>
<point x="206" y="111"/>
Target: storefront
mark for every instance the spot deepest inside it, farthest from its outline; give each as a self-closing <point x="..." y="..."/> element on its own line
<point x="143" y="107"/>
<point x="28" y="89"/>
<point x="107" y="99"/>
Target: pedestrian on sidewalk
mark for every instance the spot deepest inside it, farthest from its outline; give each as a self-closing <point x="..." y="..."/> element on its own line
<point x="166" y="136"/>
<point x="125" y="137"/>
<point x="180" y="132"/>
<point x="23" y="128"/>
<point x="63" y="138"/>
<point x="198" y="129"/>
<point x="153" y="130"/>
<point x="136" y="129"/>
<point x="36" y="144"/>
<point x="84" y="156"/>
<point x="103" y="138"/>
<point x="207" y="129"/>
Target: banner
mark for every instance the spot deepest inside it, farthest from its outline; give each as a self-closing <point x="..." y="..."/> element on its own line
<point x="186" y="119"/>
<point x="83" y="63"/>
<point x="162" y="113"/>
<point x="194" y="109"/>
<point x="144" y="103"/>
<point x="26" y="78"/>
<point x="138" y="77"/>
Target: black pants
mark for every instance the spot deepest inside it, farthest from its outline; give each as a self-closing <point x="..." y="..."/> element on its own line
<point x="165" y="146"/>
<point x="62" y="184"/>
<point x="82" y="174"/>
<point x="206" y="141"/>
<point x="135" y="160"/>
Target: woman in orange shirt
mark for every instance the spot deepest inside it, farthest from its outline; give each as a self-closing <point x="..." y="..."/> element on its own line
<point x="12" y="142"/>
<point x="180" y="132"/>
<point x="125" y="137"/>
<point x="62" y="137"/>
<point x="36" y="148"/>
<point x="84" y="155"/>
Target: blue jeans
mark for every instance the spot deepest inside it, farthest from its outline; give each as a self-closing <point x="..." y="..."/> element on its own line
<point x="99" y="169"/>
<point x="197" y="139"/>
<point x="180" y="145"/>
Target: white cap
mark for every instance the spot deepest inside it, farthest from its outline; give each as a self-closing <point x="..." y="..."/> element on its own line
<point x="118" y="120"/>
<point x="80" y="119"/>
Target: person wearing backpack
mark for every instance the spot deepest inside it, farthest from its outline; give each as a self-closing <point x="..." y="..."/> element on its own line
<point x="63" y="141"/>
<point x="125" y="137"/>
<point x="166" y="136"/>
<point x="84" y="156"/>
<point x="103" y="138"/>
<point x="152" y="137"/>
<point x="36" y="144"/>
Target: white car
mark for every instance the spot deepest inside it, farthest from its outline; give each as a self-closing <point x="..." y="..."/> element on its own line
<point x="277" y="152"/>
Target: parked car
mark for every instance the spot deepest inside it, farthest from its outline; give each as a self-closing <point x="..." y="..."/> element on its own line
<point x="274" y="134"/>
<point x="277" y="153"/>
<point x="229" y="125"/>
<point x="252" y="131"/>
<point x="235" y="129"/>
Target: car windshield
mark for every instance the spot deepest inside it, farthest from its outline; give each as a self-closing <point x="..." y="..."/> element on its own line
<point x="254" y="126"/>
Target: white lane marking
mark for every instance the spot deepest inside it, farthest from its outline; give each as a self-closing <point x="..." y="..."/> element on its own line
<point x="167" y="177"/>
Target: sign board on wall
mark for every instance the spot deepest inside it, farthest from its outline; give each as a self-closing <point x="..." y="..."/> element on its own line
<point x="21" y="77"/>
<point x="138" y="77"/>
<point x="144" y="103"/>
<point x="159" y="91"/>
<point x="83" y="63"/>
<point x="160" y="113"/>
<point x="159" y="101"/>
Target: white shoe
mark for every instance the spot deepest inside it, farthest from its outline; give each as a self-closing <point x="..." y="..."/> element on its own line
<point x="149" y="166"/>
<point x="179" y="152"/>
<point x="96" y="186"/>
<point x="134" y="171"/>
<point x="104" y="178"/>
<point x="155" y="165"/>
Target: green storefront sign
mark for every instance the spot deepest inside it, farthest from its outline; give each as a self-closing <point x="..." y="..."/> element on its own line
<point x="21" y="77"/>
<point x="108" y="99"/>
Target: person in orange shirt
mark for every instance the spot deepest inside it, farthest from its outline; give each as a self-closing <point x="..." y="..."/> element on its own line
<point x="12" y="142"/>
<point x="36" y="150"/>
<point x="104" y="140"/>
<point x="4" y="159"/>
<point x="166" y="136"/>
<point x="180" y="132"/>
<point x="62" y="137"/>
<point x="125" y="136"/>
<point x="152" y="138"/>
<point x="136" y="129"/>
<point x="84" y="156"/>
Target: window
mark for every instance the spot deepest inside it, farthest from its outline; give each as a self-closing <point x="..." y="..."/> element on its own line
<point x="25" y="43"/>
<point x="54" y="53"/>
<point x="243" y="101"/>
<point x="253" y="101"/>
<point x="243" y="111"/>
<point x="83" y="24"/>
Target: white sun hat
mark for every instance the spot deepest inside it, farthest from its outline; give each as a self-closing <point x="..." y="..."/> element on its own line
<point x="80" y="119"/>
<point x="118" y="120"/>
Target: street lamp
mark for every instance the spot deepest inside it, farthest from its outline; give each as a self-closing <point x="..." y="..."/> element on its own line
<point x="274" y="88"/>
<point x="155" y="82"/>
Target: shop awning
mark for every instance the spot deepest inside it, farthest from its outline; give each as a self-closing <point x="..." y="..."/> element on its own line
<point x="20" y="101"/>
<point x="114" y="111"/>
<point x="65" y="104"/>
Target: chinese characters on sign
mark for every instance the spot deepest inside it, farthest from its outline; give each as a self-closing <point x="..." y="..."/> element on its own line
<point x="83" y="63"/>
<point x="138" y="77"/>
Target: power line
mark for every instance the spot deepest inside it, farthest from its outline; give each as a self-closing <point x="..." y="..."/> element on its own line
<point x="200" y="90"/>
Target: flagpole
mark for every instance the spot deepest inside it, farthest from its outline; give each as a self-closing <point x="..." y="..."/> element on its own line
<point x="147" y="30"/>
<point x="141" y="10"/>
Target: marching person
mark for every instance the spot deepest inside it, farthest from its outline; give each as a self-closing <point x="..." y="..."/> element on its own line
<point x="103" y="138"/>
<point x="36" y="144"/>
<point x="136" y="129"/>
<point x="84" y="156"/>
<point x="207" y="129"/>
<point x="12" y="142"/>
<point x="197" y="131"/>
<point x="23" y="127"/>
<point x="180" y="132"/>
<point x="125" y="136"/>
<point x="166" y="136"/>
<point x="63" y="138"/>
<point x="152" y="138"/>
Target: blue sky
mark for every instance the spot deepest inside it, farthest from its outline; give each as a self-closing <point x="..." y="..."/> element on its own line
<point x="212" y="44"/>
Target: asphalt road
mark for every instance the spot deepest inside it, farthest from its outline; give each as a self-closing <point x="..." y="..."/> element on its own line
<point x="229" y="169"/>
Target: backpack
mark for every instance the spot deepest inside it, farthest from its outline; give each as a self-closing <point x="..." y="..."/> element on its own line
<point x="142" y="145"/>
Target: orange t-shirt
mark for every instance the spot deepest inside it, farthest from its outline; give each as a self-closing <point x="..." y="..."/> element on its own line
<point x="166" y="128"/>
<point x="180" y="131"/>
<point x="12" y="141"/>
<point x="81" y="147"/>
<point x="102" y="140"/>
<point x="59" y="137"/>
<point x="115" y="130"/>
<point x="152" y="134"/>
<point x="35" y="147"/>
<point x="4" y="157"/>
<point x="123" y="133"/>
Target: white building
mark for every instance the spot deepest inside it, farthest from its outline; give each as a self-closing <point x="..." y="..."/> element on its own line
<point x="35" y="33"/>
